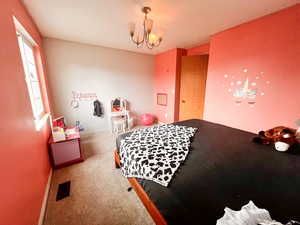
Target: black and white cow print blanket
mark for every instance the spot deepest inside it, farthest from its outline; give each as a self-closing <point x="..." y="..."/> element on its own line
<point x="155" y="153"/>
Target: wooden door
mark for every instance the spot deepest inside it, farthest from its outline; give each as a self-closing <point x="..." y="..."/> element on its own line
<point x="192" y="87"/>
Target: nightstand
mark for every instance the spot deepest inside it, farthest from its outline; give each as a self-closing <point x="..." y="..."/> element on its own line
<point x="65" y="153"/>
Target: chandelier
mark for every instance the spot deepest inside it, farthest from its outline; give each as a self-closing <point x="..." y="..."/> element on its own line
<point x="151" y="40"/>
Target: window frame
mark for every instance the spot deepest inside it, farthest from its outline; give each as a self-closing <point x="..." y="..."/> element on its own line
<point x="23" y="38"/>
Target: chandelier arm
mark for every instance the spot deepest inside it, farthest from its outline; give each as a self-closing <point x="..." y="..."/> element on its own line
<point x="157" y="43"/>
<point x="150" y="46"/>
<point x="139" y="43"/>
<point x="136" y="42"/>
<point x="145" y="36"/>
<point x="140" y="46"/>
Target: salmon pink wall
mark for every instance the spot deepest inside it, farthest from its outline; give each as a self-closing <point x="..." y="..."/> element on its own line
<point x="165" y="78"/>
<point x="24" y="164"/>
<point x="199" y="50"/>
<point x="167" y="72"/>
<point x="267" y="52"/>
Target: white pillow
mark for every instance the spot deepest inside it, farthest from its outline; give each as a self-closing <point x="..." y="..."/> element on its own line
<point x="249" y="214"/>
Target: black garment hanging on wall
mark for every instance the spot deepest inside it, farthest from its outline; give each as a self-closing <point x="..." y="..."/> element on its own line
<point x="97" y="108"/>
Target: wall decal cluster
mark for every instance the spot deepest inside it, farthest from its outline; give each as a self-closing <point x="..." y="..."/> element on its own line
<point x="246" y="87"/>
<point x="77" y="97"/>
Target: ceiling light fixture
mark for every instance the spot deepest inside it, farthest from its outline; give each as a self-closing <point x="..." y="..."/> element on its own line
<point x="151" y="40"/>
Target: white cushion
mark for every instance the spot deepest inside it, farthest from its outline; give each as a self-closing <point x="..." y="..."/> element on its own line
<point x="249" y="214"/>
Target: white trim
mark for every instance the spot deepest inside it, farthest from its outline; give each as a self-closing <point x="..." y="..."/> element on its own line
<point x="161" y="123"/>
<point x="44" y="204"/>
<point x="39" y="123"/>
<point x="37" y="102"/>
<point x="23" y="31"/>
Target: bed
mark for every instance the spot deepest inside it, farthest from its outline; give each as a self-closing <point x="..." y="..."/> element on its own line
<point x="223" y="169"/>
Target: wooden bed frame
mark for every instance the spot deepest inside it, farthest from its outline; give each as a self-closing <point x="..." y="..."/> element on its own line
<point x="151" y="208"/>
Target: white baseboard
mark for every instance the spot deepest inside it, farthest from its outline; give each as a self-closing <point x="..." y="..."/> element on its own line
<point x="44" y="204"/>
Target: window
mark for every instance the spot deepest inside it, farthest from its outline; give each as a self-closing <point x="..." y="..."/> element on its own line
<point x="27" y="46"/>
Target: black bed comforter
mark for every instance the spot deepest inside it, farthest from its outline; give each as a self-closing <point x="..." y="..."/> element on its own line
<point x="226" y="169"/>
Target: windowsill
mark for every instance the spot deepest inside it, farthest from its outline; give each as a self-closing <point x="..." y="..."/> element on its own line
<point x="41" y="122"/>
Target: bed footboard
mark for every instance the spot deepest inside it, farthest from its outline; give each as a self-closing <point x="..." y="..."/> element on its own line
<point x="117" y="160"/>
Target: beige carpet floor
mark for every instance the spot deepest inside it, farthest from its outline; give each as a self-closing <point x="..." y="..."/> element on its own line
<point x="99" y="193"/>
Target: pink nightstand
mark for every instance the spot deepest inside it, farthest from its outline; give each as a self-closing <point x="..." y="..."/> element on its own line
<point x="65" y="153"/>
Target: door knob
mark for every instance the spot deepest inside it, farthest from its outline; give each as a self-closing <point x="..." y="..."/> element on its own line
<point x="183" y="101"/>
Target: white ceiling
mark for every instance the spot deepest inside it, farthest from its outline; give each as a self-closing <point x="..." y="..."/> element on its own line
<point x="183" y="23"/>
